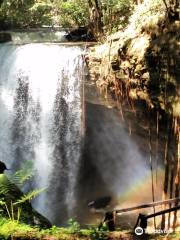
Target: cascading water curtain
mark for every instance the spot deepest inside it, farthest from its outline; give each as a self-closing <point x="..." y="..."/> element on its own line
<point x="41" y="120"/>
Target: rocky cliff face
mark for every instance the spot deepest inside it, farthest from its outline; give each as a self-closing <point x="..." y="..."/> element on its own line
<point x="141" y="67"/>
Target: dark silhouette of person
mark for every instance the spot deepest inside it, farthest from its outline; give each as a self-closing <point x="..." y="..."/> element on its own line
<point x="109" y="220"/>
<point x="3" y="167"/>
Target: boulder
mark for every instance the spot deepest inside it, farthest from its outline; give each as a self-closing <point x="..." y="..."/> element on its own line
<point x="80" y="34"/>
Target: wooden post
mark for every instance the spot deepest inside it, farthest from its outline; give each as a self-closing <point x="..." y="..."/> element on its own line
<point x="143" y="218"/>
<point x="109" y="219"/>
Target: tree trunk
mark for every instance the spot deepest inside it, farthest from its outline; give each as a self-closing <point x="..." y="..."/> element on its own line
<point x="96" y="24"/>
<point x="166" y="177"/>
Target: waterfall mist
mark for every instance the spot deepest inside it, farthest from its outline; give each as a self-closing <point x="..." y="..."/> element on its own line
<point x="40" y="120"/>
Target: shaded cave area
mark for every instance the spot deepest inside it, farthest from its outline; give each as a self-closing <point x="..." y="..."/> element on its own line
<point x="116" y="157"/>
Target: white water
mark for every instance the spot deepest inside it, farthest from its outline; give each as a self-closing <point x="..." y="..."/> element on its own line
<point x="40" y="117"/>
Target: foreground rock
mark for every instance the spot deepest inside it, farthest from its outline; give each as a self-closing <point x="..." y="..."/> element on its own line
<point x="80" y="34"/>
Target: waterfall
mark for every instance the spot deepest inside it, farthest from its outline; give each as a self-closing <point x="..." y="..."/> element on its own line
<point x="41" y="119"/>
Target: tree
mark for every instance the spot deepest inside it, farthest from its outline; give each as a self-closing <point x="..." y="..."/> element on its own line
<point x="96" y="15"/>
<point x="29" y="13"/>
<point x="71" y="13"/>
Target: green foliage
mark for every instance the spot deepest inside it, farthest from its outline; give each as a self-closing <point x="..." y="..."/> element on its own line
<point x="9" y="227"/>
<point x="116" y="13"/>
<point x="34" y="13"/>
<point x="12" y="199"/>
<point x="13" y="216"/>
<point x="5" y="187"/>
<point x="73" y="226"/>
<point x="54" y="230"/>
<point x="29" y="13"/>
<point x="29" y="196"/>
<point x="23" y="175"/>
<point x="8" y="190"/>
<point x="98" y="234"/>
<point x="13" y="229"/>
<point x="66" y="13"/>
<point x="41" y="13"/>
<point x="72" y="13"/>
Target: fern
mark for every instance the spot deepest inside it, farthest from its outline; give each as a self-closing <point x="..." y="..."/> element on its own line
<point x="23" y="175"/>
<point x="11" y="197"/>
<point x="29" y="196"/>
<point x="6" y="187"/>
